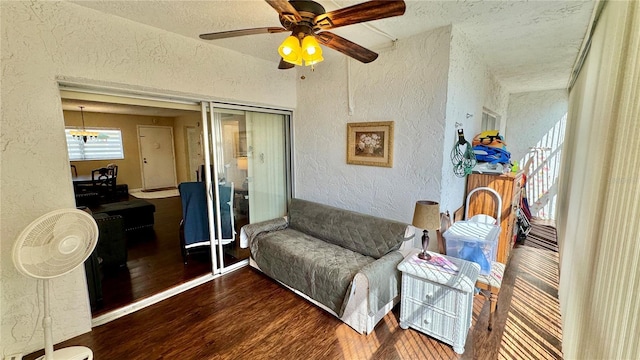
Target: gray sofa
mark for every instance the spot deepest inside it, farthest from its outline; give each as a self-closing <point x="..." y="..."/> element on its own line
<point x="343" y="261"/>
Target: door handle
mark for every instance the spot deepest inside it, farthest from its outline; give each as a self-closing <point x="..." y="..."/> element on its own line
<point x="144" y="160"/>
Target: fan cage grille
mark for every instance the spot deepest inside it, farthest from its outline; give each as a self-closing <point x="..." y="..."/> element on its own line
<point x="56" y="243"/>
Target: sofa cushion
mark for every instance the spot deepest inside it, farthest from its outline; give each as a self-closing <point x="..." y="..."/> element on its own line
<point x="321" y="270"/>
<point x="365" y="234"/>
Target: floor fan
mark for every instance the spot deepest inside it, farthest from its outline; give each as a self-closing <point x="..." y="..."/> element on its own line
<point x="51" y="246"/>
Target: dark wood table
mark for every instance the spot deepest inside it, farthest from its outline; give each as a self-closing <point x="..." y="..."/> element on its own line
<point x="84" y="179"/>
<point x="81" y="179"/>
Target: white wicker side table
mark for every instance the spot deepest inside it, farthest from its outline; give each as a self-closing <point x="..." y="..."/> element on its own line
<point x="437" y="300"/>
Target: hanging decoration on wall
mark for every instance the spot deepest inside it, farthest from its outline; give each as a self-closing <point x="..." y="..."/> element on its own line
<point x="370" y="143"/>
<point x="462" y="156"/>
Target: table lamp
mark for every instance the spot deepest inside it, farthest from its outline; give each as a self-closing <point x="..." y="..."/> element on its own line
<point x="243" y="163"/>
<point x="426" y="216"/>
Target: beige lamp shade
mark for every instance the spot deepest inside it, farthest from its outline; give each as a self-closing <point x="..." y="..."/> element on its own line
<point x="426" y="215"/>
<point x="243" y="163"/>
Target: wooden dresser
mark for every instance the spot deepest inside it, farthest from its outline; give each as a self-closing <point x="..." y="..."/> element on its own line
<point x="509" y="186"/>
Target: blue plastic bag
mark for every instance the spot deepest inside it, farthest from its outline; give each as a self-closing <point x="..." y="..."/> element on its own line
<point x="472" y="252"/>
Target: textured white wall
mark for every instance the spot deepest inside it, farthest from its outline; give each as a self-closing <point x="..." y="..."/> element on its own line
<point x="45" y="40"/>
<point x="406" y="85"/>
<point x="426" y="85"/>
<point x="471" y="87"/>
<point x="536" y="131"/>
<point x="497" y="100"/>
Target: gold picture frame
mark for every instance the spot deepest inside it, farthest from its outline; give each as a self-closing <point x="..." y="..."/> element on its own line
<point x="370" y="143"/>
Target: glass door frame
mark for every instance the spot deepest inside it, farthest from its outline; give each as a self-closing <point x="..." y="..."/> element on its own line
<point x="211" y="127"/>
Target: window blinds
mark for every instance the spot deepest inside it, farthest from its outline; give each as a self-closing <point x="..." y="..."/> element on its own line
<point x="109" y="148"/>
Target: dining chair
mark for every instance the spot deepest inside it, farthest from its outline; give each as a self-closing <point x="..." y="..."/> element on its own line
<point x="200" y="174"/>
<point x="85" y="193"/>
<point x="113" y="172"/>
<point x="103" y="181"/>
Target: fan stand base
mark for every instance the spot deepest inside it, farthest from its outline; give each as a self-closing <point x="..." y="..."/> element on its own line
<point x="70" y="353"/>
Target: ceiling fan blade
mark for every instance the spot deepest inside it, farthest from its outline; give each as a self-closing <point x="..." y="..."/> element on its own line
<point x="367" y="11"/>
<point x="346" y="47"/>
<point x="286" y="10"/>
<point x="243" y="32"/>
<point x="285" y="65"/>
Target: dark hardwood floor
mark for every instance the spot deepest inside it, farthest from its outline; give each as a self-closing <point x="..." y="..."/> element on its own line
<point x="245" y="315"/>
<point x="155" y="260"/>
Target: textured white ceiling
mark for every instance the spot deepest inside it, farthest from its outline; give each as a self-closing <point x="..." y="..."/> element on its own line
<point x="528" y="45"/>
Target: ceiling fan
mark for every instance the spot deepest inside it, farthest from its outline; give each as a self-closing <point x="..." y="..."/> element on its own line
<point x="307" y="21"/>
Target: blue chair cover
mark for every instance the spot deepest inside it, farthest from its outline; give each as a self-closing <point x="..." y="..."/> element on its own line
<point x="194" y="212"/>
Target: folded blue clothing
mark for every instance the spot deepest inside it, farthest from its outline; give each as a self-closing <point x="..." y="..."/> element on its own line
<point x="491" y="154"/>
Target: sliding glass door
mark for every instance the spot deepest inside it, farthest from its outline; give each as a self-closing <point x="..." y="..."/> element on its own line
<point x="267" y="166"/>
<point x="247" y="154"/>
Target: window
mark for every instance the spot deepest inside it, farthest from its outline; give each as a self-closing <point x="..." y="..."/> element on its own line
<point x="490" y="120"/>
<point x="109" y="148"/>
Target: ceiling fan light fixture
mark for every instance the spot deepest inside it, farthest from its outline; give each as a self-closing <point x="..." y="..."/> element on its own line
<point x="305" y="18"/>
<point x="313" y="61"/>
<point x="310" y="46"/>
<point x="311" y="50"/>
<point x="290" y="50"/>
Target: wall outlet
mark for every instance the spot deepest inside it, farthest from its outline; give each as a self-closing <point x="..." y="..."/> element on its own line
<point x="13" y="357"/>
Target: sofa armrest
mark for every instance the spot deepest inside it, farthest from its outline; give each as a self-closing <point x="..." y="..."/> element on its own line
<point x="384" y="280"/>
<point x="250" y="231"/>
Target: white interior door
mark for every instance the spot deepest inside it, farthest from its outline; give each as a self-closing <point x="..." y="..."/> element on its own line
<point x="157" y="157"/>
<point x="194" y="147"/>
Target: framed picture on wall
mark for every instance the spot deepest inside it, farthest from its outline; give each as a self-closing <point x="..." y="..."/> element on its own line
<point x="240" y="144"/>
<point x="370" y="143"/>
